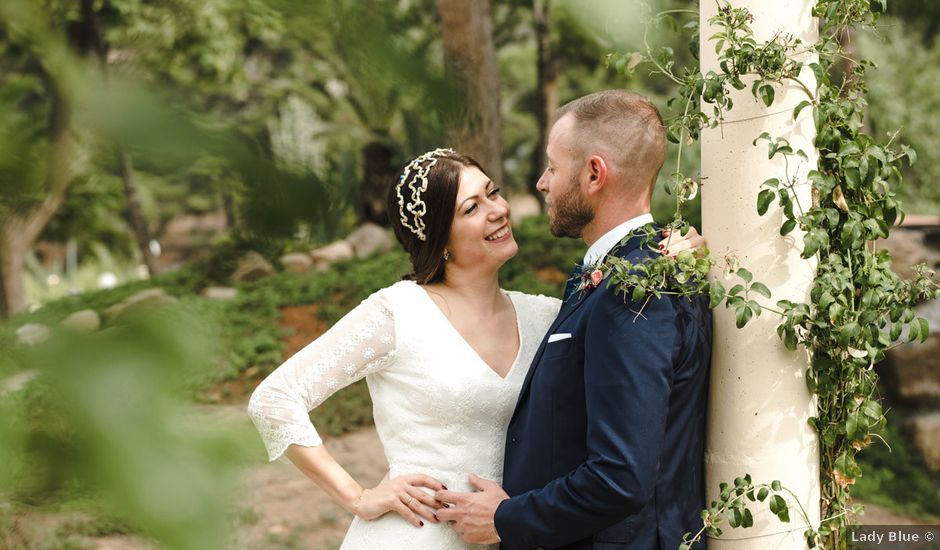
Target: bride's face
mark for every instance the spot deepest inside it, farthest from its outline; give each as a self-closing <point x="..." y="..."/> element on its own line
<point x="480" y="234"/>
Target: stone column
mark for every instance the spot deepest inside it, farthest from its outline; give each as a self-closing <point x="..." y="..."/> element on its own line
<point x="759" y="403"/>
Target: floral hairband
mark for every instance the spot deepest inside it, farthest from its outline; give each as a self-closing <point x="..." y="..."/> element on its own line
<point x="417" y="185"/>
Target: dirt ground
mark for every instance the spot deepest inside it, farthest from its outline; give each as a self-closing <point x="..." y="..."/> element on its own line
<point x="289" y="511"/>
<point x="278" y="508"/>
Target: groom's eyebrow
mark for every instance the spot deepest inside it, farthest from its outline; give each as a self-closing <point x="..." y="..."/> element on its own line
<point x="489" y="184"/>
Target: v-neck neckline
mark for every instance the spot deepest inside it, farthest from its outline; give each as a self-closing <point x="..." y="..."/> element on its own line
<point x="464" y="341"/>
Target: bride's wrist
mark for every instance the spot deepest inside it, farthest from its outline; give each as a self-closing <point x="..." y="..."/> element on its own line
<point x="357" y="502"/>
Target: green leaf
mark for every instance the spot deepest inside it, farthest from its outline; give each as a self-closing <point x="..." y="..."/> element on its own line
<point x="716" y="293"/>
<point x="800" y="107"/>
<point x="764" y="199"/>
<point x="787" y="227"/>
<point x="744" y="274"/>
<point x="742" y="316"/>
<point x="871" y="409"/>
<point x="847" y="466"/>
<point x="910" y="153"/>
<point x="778" y="506"/>
<point x="638" y="293"/>
<point x="849" y="332"/>
<point x="767" y="94"/>
<point x="761" y="289"/>
<point x="762" y="494"/>
<point x="924" y="328"/>
<point x="851" y="425"/>
<point x="748" y="519"/>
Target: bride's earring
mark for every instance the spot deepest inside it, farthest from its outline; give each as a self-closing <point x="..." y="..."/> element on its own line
<point x="446" y="256"/>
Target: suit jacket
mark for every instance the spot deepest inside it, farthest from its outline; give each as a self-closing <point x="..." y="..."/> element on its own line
<point x="606" y="446"/>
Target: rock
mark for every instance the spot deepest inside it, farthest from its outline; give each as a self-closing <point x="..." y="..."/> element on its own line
<point x="32" y="334"/>
<point x="297" y="263"/>
<point x="910" y="370"/>
<point x="368" y="239"/>
<point x="146" y="299"/>
<point x="252" y="267"/>
<point x="332" y="253"/>
<point x="86" y="320"/>
<point x="908" y="247"/>
<point x="522" y="206"/>
<point x="17" y="382"/>
<point x="926" y="432"/>
<point x="220" y="293"/>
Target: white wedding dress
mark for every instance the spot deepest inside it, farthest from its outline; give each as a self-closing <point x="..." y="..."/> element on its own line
<point x="439" y="408"/>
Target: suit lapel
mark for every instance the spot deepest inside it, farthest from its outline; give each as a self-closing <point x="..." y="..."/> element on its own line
<point x="628" y="245"/>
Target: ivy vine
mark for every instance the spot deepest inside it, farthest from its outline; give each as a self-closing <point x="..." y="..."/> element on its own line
<point x="858" y="307"/>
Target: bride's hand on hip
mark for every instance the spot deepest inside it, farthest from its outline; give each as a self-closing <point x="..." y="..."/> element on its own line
<point x="673" y="242"/>
<point x="402" y="495"/>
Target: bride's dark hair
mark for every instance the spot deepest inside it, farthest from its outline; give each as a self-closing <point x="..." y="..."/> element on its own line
<point x="427" y="256"/>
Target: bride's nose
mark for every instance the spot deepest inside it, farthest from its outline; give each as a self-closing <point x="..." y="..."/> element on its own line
<point x="499" y="209"/>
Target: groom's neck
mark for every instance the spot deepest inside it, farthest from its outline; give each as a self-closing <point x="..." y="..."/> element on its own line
<point x="609" y="215"/>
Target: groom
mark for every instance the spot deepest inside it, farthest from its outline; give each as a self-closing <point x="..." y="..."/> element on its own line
<point x="606" y="446"/>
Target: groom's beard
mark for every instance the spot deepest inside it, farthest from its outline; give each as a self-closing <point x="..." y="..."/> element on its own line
<point x="569" y="213"/>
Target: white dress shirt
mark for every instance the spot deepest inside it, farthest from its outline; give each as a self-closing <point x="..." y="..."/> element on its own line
<point x="609" y="240"/>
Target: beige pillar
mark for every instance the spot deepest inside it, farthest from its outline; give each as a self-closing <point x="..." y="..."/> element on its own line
<point x="759" y="404"/>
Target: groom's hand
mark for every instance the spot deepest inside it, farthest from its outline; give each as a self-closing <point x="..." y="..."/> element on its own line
<point x="471" y="514"/>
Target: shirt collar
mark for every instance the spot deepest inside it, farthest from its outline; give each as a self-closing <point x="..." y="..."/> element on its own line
<point x="609" y="240"/>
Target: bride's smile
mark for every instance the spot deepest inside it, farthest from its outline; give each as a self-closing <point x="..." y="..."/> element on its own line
<point x="481" y="235"/>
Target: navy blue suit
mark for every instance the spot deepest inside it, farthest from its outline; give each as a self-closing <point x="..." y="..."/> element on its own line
<point x="606" y="446"/>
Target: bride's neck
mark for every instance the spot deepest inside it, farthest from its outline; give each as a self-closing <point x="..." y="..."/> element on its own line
<point x="474" y="287"/>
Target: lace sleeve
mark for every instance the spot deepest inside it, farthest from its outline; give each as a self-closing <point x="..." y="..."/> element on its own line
<point x="359" y="344"/>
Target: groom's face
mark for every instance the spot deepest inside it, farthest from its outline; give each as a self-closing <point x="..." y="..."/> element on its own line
<point x="568" y="210"/>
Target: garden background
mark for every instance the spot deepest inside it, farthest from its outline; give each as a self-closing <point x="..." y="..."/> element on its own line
<point x="192" y="190"/>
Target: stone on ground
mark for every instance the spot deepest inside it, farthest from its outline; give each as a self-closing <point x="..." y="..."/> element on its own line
<point x="332" y="253"/>
<point x="296" y="262"/>
<point x="86" y="320"/>
<point x="31" y="334"/>
<point x="220" y="293"/>
<point x="252" y="267"/>
<point x="368" y="239"/>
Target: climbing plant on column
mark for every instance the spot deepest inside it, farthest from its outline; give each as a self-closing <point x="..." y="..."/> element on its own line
<point x="858" y="307"/>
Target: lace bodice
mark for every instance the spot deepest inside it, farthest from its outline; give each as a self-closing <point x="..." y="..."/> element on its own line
<point x="439" y="409"/>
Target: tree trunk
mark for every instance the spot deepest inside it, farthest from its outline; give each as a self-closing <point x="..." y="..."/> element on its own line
<point x="20" y="229"/>
<point x="13" y="249"/>
<point x="94" y="41"/>
<point x="378" y="174"/>
<point x="546" y="90"/>
<point x="470" y="61"/>
<point x="135" y="218"/>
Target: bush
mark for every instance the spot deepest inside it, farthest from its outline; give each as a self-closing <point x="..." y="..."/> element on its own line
<point x="896" y="478"/>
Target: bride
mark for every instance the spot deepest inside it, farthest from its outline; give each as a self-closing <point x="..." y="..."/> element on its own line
<point x="444" y="353"/>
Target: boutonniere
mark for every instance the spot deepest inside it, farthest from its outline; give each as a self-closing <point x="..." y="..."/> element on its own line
<point x="590" y="279"/>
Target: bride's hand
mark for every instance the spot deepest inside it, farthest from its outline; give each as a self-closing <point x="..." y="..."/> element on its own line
<point x="673" y="242"/>
<point x="403" y="496"/>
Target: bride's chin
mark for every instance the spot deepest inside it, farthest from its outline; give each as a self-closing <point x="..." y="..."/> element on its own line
<point x="510" y="253"/>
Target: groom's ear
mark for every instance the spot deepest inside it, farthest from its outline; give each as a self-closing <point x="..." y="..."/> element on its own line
<point x="597" y="174"/>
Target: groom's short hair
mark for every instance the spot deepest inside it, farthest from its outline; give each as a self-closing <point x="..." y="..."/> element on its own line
<point x="623" y="125"/>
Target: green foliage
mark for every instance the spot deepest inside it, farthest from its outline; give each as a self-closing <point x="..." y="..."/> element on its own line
<point x="900" y="97"/>
<point x="103" y="419"/>
<point x="858" y="306"/>
<point x="894" y="476"/>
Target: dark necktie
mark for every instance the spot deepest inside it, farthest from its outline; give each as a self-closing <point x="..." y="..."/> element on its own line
<point x="573" y="282"/>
